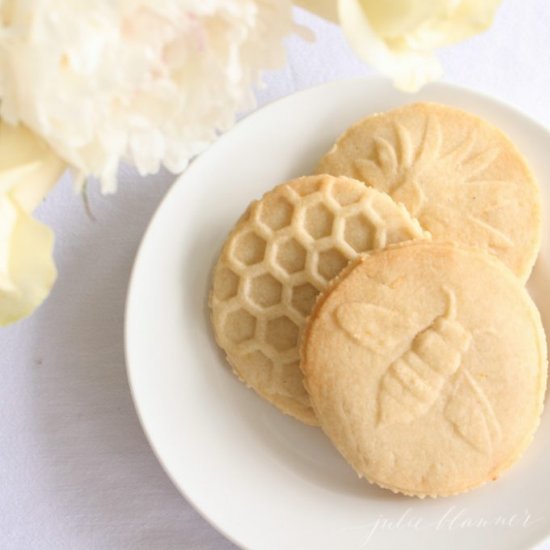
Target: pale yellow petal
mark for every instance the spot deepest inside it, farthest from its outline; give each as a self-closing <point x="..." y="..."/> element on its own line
<point x="409" y="69"/>
<point x="399" y="17"/>
<point x="8" y="220"/>
<point x="31" y="270"/>
<point x="28" y="170"/>
<point x="429" y="24"/>
<point x="14" y="177"/>
<point x="28" y="167"/>
<point x="30" y="192"/>
<point x="460" y="21"/>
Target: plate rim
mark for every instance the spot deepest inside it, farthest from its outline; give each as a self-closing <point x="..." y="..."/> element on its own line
<point x="192" y="167"/>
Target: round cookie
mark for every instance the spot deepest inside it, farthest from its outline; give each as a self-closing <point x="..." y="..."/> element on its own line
<point x="426" y="366"/>
<point x="284" y="250"/>
<point x="461" y="177"/>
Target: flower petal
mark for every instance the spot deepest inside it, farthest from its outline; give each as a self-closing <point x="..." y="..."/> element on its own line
<point x="8" y="220"/>
<point x="27" y="270"/>
<point x="28" y="170"/>
<point x="175" y="73"/>
<point x="458" y="21"/>
<point x="28" y="167"/>
<point x="410" y="69"/>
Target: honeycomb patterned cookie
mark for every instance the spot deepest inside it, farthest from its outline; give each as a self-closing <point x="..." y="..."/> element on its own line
<point x="282" y="253"/>
<point x="461" y="177"/>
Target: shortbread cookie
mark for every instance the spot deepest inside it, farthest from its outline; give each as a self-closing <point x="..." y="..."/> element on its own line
<point x="426" y="366"/>
<point x="282" y="253"/>
<point x="460" y="176"/>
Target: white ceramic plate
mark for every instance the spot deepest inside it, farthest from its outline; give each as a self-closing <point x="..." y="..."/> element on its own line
<point x="261" y="478"/>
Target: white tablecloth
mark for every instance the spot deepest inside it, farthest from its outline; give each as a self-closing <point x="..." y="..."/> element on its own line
<point x="75" y="469"/>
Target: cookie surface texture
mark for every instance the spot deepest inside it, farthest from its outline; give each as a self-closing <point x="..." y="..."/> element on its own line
<point x="284" y="250"/>
<point x="460" y="176"/>
<point x="426" y="366"/>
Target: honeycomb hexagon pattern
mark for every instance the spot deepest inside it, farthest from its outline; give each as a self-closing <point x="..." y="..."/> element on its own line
<point x="282" y="254"/>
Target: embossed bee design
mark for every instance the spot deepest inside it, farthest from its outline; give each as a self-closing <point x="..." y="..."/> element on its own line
<point x="413" y="382"/>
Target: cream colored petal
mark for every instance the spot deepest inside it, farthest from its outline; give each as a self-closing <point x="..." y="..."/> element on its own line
<point x="469" y="17"/>
<point x="28" y="170"/>
<point x="30" y="268"/>
<point x="399" y="17"/>
<point x="429" y="24"/>
<point x="14" y="177"/>
<point x="458" y="21"/>
<point x="30" y="192"/>
<point x="28" y="167"/>
<point x="324" y="8"/>
<point x="8" y="220"/>
<point x="409" y="69"/>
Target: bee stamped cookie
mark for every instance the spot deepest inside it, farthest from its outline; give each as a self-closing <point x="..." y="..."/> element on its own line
<point x="461" y="177"/>
<point x="426" y="367"/>
<point x="282" y="253"/>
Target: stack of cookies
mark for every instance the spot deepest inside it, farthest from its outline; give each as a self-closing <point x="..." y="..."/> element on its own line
<point x="383" y="300"/>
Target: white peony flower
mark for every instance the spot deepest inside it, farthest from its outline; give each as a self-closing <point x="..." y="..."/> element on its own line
<point x="28" y="170"/>
<point x="398" y="37"/>
<point x="148" y="81"/>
